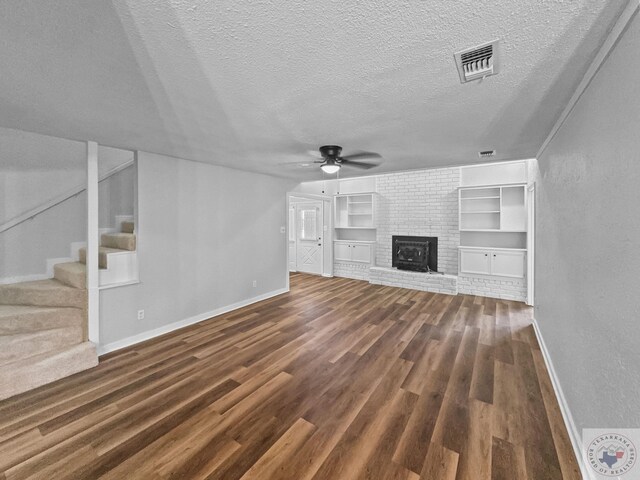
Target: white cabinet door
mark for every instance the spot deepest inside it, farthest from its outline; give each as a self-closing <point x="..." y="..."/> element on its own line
<point x="507" y="264"/>
<point x="475" y="261"/>
<point x="361" y="253"/>
<point x="342" y="251"/>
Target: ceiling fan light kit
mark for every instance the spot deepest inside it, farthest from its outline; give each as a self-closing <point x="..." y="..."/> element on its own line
<point x="330" y="166"/>
<point x="332" y="162"/>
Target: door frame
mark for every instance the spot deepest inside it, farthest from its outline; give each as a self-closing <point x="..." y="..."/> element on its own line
<point x="531" y="240"/>
<point x="317" y="205"/>
<point x="327" y="229"/>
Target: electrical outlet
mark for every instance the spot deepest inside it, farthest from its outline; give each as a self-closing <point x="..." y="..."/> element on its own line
<point x="140" y="314"/>
<point x="255" y="283"/>
<point x="283" y="229"/>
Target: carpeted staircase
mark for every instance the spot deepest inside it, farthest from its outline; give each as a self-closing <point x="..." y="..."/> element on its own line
<point x="43" y="323"/>
<point x="124" y="241"/>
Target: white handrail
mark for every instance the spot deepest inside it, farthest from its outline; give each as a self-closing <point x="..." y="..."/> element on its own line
<point x="34" y="212"/>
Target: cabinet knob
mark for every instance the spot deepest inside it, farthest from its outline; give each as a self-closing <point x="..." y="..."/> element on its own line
<point x="486" y="254"/>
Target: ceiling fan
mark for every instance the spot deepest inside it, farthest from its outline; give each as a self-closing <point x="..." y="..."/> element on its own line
<point x="330" y="160"/>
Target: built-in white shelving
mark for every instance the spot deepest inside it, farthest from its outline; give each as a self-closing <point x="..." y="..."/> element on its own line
<point x="355" y="211"/>
<point x="493" y="220"/>
<point x="499" y="208"/>
<point x="355" y="227"/>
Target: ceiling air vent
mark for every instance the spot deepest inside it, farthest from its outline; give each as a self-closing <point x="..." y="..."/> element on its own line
<point x="477" y="62"/>
<point x="486" y="153"/>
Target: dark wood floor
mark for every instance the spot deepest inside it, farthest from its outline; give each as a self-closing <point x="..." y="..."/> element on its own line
<point x="337" y="379"/>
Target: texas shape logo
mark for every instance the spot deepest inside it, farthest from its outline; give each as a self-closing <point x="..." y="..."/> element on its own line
<point x="611" y="454"/>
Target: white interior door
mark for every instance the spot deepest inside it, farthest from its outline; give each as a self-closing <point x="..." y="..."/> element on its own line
<point x="309" y="237"/>
<point x="292" y="238"/>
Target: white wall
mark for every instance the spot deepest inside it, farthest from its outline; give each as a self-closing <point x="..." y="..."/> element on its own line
<point x="116" y="197"/>
<point x="204" y="234"/>
<point x="588" y="245"/>
<point x="35" y="168"/>
<point x="24" y="249"/>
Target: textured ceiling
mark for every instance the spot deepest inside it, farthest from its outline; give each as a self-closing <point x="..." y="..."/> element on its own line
<point x="255" y="84"/>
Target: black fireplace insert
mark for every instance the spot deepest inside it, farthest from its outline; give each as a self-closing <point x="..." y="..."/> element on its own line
<point x="419" y="254"/>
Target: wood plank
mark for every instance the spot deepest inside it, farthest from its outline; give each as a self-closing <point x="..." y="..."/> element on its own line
<point x="440" y="463"/>
<point x="273" y="463"/>
<point x="335" y="379"/>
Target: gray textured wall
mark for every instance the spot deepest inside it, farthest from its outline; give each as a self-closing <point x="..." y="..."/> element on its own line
<point x="588" y="245"/>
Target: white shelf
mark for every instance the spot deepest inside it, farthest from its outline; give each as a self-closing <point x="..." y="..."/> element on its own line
<point x="355" y="218"/>
<point x="493" y="185"/>
<point x="355" y="228"/>
<point x="489" y="208"/>
<point x="368" y="242"/>
<point x="478" y="198"/>
<point x="493" y="248"/>
<point x="482" y="211"/>
<point x="491" y="230"/>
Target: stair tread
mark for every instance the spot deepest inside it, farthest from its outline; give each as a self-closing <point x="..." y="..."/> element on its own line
<point x="19" y="319"/>
<point x="53" y="353"/>
<point x="119" y="235"/>
<point x="72" y="267"/>
<point x="73" y="274"/>
<point x="127" y="226"/>
<point x="126" y="241"/>
<point x="22" y="345"/>
<point x="11" y="310"/>
<point x="6" y="338"/>
<point x="108" y="250"/>
<point x="45" y="293"/>
<point x="42" y="285"/>
<point x="32" y="372"/>
<point x="6" y="310"/>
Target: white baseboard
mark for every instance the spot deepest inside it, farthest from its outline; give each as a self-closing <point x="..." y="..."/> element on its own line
<point x="24" y="278"/>
<point x="141" y="337"/>
<point x="574" y="433"/>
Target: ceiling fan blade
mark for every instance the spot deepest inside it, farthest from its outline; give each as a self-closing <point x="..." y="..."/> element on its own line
<point x="297" y="164"/>
<point x="362" y="165"/>
<point x="361" y="156"/>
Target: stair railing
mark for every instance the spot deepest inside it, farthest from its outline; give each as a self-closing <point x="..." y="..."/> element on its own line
<point x="74" y="192"/>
